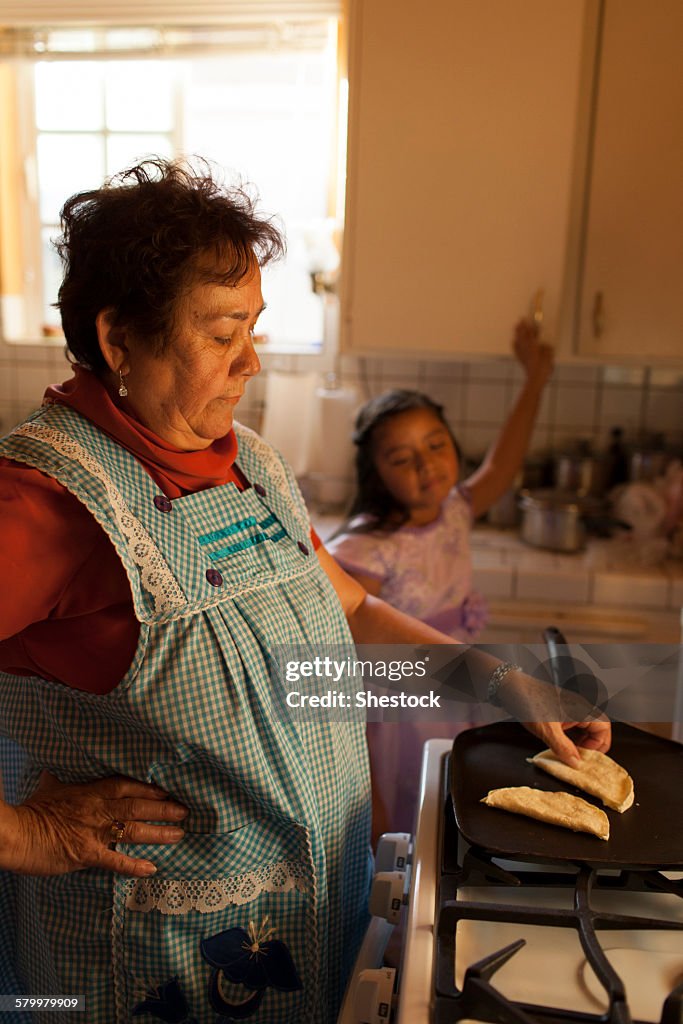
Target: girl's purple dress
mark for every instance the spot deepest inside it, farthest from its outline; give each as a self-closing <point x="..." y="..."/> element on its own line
<point x="425" y="571"/>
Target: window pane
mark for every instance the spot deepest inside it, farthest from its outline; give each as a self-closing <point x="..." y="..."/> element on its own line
<point x="52" y="276"/>
<point x="69" y="95"/>
<point x="270" y="120"/>
<point x="295" y="313"/>
<point x="66" y="164"/>
<point x="74" y="40"/>
<point x="132" y="38"/>
<point x="126" y="150"/>
<point x="139" y="95"/>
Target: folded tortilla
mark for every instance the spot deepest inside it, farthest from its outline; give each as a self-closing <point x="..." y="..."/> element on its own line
<point x="554" y="808"/>
<point x="598" y="775"/>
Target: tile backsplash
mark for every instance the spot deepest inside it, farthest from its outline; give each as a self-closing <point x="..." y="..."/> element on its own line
<point x="579" y="402"/>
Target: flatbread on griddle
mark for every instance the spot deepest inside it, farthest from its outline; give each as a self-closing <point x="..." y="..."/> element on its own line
<point x="554" y="808"/>
<point x="598" y="775"/>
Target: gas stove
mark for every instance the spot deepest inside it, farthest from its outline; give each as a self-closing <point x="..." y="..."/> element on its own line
<point x="512" y="942"/>
<point x="520" y="943"/>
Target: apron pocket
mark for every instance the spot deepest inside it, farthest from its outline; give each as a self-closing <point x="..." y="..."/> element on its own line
<point x="227" y="926"/>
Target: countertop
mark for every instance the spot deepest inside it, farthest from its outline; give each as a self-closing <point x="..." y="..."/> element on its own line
<point x="598" y="591"/>
<point x="604" y="573"/>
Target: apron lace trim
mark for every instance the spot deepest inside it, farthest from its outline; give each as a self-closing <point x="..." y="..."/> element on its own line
<point x="179" y="896"/>
<point x="155" y="576"/>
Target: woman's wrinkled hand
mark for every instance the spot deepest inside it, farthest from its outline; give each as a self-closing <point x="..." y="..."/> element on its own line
<point x="64" y="827"/>
<point x="549" y="713"/>
<point x="535" y="356"/>
<point x="593" y="735"/>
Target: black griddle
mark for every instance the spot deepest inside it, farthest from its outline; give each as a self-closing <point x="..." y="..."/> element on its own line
<point x="647" y="836"/>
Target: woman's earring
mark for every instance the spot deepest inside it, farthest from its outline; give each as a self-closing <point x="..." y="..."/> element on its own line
<point x="123" y="390"/>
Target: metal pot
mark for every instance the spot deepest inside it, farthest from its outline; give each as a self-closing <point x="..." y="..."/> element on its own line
<point x="584" y="474"/>
<point x="504" y="512"/>
<point x="648" y="464"/>
<point x="552" y="520"/>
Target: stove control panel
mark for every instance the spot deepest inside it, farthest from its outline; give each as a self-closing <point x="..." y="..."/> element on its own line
<point x="394" y="851"/>
<point x="374" y="993"/>
<point x="388" y="894"/>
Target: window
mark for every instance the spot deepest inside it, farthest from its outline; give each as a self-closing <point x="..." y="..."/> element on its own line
<point x="266" y="116"/>
<point x="125" y="109"/>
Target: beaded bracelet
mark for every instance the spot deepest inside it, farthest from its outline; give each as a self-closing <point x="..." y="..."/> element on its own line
<point x="497" y="676"/>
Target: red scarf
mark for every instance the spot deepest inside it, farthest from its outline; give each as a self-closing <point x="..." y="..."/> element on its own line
<point x="177" y="472"/>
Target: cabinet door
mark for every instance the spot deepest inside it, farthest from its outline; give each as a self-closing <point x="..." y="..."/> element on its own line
<point x="462" y="120"/>
<point x="632" y="294"/>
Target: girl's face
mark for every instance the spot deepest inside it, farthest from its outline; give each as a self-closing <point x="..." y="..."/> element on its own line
<point x="416" y="461"/>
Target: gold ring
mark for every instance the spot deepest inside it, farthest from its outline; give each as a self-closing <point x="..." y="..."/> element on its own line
<point x="117" y="831"/>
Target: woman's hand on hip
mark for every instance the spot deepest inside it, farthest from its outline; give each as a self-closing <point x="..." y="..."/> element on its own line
<point x="64" y="827"/>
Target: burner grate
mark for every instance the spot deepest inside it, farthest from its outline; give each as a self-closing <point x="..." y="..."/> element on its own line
<point x="479" y="999"/>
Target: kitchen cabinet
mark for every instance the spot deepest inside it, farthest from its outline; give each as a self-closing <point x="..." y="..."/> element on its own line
<point x="510" y="151"/>
<point x="631" y="300"/>
<point x="462" y="125"/>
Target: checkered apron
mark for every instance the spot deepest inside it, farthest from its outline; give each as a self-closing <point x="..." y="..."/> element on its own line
<point x="277" y="835"/>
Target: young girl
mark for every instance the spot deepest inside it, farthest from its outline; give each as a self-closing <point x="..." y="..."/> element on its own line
<point x="408" y="540"/>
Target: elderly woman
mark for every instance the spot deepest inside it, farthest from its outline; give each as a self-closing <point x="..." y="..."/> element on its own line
<point x="155" y="553"/>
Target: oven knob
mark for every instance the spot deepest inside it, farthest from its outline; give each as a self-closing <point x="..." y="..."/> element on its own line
<point x="387" y="895"/>
<point x="393" y="851"/>
<point x="374" y="991"/>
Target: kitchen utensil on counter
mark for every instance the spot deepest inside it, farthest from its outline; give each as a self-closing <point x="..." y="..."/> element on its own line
<point x="643" y="507"/>
<point x="650" y="460"/>
<point x="581" y="471"/>
<point x="552" y="520"/>
<point x="330" y="451"/>
<point x="617" y="463"/>
<point x="559" y="520"/>
<point x="505" y="512"/>
<point x="286" y="393"/>
<point x="491" y="756"/>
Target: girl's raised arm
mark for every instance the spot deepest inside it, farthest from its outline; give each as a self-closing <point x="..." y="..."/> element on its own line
<point x="506" y="454"/>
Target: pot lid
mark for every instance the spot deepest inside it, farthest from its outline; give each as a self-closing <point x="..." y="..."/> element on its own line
<point x="549" y="498"/>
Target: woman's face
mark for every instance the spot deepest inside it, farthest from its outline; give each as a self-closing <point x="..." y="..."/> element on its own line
<point x="416" y="461"/>
<point x="187" y="394"/>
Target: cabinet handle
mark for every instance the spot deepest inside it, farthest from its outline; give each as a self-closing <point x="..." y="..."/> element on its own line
<point x="537" y="310"/>
<point x="598" y="315"/>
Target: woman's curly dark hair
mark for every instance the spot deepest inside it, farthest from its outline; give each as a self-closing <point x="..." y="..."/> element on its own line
<point x="136" y="244"/>
<point x="372" y="498"/>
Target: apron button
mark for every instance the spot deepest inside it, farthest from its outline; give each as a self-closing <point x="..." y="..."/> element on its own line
<point x="214" y="577"/>
<point x="260" y="490"/>
<point x="162" y="503"/>
<point x="302" y="547"/>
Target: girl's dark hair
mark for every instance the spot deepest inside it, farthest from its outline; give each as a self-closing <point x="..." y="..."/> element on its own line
<point x="372" y="497"/>
<point x="136" y="244"/>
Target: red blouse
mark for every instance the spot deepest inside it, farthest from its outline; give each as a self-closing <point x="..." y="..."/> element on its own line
<point x="66" y="611"/>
